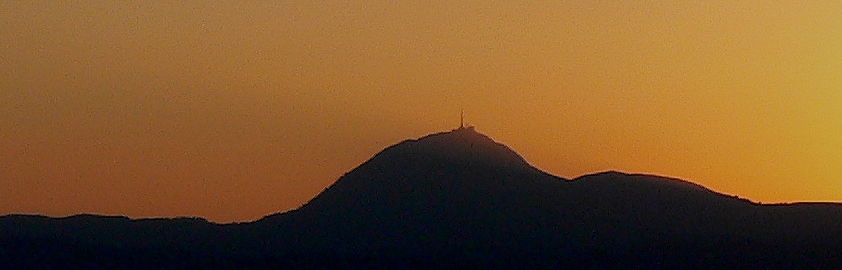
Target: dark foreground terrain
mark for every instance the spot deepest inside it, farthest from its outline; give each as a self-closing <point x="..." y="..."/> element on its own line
<point x="455" y="200"/>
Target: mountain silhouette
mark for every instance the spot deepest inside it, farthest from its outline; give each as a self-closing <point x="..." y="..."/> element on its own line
<point x="456" y="199"/>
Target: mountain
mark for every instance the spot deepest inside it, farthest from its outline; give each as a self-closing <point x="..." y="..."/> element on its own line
<point x="456" y="199"/>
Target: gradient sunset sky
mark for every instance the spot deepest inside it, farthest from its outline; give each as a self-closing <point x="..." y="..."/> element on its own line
<point x="232" y="110"/>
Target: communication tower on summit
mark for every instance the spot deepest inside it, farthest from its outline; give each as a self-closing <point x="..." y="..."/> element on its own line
<point x="462" y="119"/>
<point x="462" y="122"/>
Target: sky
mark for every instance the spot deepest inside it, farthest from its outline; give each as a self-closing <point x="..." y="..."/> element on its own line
<point x="232" y="110"/>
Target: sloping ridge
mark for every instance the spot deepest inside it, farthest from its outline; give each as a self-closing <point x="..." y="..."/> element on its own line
<point x="465" y="165"/>
<point x="460" y="163"/>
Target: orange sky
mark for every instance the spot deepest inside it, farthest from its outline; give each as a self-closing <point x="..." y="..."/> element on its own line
<point x="232" y="110"/>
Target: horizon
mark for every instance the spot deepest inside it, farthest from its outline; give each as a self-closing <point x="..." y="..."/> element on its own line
<point x="232" y="111"/>
<point x="461" y="127"/>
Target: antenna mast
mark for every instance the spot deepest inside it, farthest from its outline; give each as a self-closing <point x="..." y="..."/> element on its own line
<point x="462" y="119"/>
